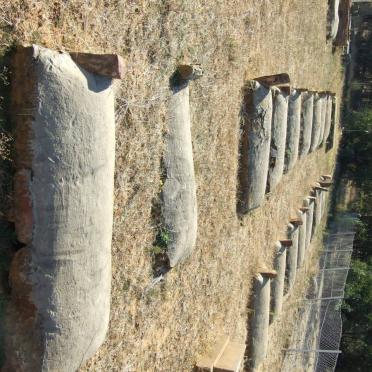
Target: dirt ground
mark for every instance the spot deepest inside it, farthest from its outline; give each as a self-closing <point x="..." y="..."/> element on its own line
<point x="165" y="326"/>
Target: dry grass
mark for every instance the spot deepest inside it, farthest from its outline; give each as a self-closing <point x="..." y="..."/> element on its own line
<point x="163" y="327"/>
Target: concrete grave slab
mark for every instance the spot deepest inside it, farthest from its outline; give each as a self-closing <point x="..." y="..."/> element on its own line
<point x="328" y="120"/>
<point x="307" y="113"/>
<point x="302" y="238"/>
<point x="317" y="122"/>
<point x="333" y="19"/>
<point x="317" y="208"/>
<point x="333" y="129"/>
<point x="254" y="146"/>
<point x="277" y="284"/>
<point x="179" y="193"/>
<point x="260" y="320"/>
<point x="310" y="233"/>
<point x="324" y="101"/>
<point x="293" y="130"/>
<point x="65" y="144"/>
<point x="343" y="32"/>
<point x="292" y="256"/>
<point x="309" y="204"/>
<point x="278" y="138"/>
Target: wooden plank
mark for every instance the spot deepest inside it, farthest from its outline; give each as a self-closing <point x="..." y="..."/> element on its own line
<point x="296" y="221"/>
<point x="109" y="65"/>
<point x="325" y="183"/>
<point x="207" y="361"/>
<point x="320" y="188"/>
<point x="231" y="359"/>
<point x="267" y="272"/>
<point x="286" y="242"/>
<point x="280" y="80"/>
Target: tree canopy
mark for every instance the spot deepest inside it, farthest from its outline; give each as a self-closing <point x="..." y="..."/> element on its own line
<point x="356" y="164"/>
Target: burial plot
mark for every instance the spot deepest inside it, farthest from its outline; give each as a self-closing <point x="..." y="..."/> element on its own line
<point x="333" y="130"/>
<point x="65" y="151"/>
<point x="307" y="113"/>
<point x="302" y="215"/>
<point x="317" y="122"/>
<point x="323" y="118"/>
<point x="254" y="146"/>
<point x="179" y="208"/>
<point x="278" y="138"/>
<point x="277" y="284"/>
<point x="292" y="255"/>
<point x="328" y="119"/>
<point x="293" y="130"/>
<point x="260" y="318"/>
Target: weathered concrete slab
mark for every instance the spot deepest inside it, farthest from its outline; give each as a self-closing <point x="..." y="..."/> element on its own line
<point x="320" y="203"/>
<point x="302" y="238"/>
<point x="310" y="232"/>
<point x="344" y="13"/>
<point x="333" y="19"/>
<point x="309" y="204"/>
<point x="292" y="254"/>
<point x="328" y="119"/>
<point x="324" y="101"/>
<point x="260" y="320"/>
<point x="317" y="122"/>
<point x="278" y="138"/>
<point x="324" y="198"/>
<point x="179" y="192"/>
<point x="65" y="135"/>
<point x="23" y="205"/>
<point x="277" y="284"/>
<point x="254" y="146"/>
<point x="293" y="130"/>
<point x="333" y="130"/>
<point x="317" y="208"/>
<point x="307" y="113"/>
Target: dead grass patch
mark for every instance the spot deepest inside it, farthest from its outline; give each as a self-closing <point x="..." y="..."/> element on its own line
<point x="162" y="327"/>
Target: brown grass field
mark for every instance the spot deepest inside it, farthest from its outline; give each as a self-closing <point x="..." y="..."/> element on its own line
<point x="165" y="326"/>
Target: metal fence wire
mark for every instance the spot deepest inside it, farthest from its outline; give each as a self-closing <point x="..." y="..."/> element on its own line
<point x="316" y="337"/>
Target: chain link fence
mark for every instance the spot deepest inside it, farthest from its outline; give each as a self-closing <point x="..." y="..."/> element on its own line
<point x="316" y="337"/>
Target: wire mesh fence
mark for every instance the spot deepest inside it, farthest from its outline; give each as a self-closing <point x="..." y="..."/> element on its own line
<point x="316" y="337"/>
